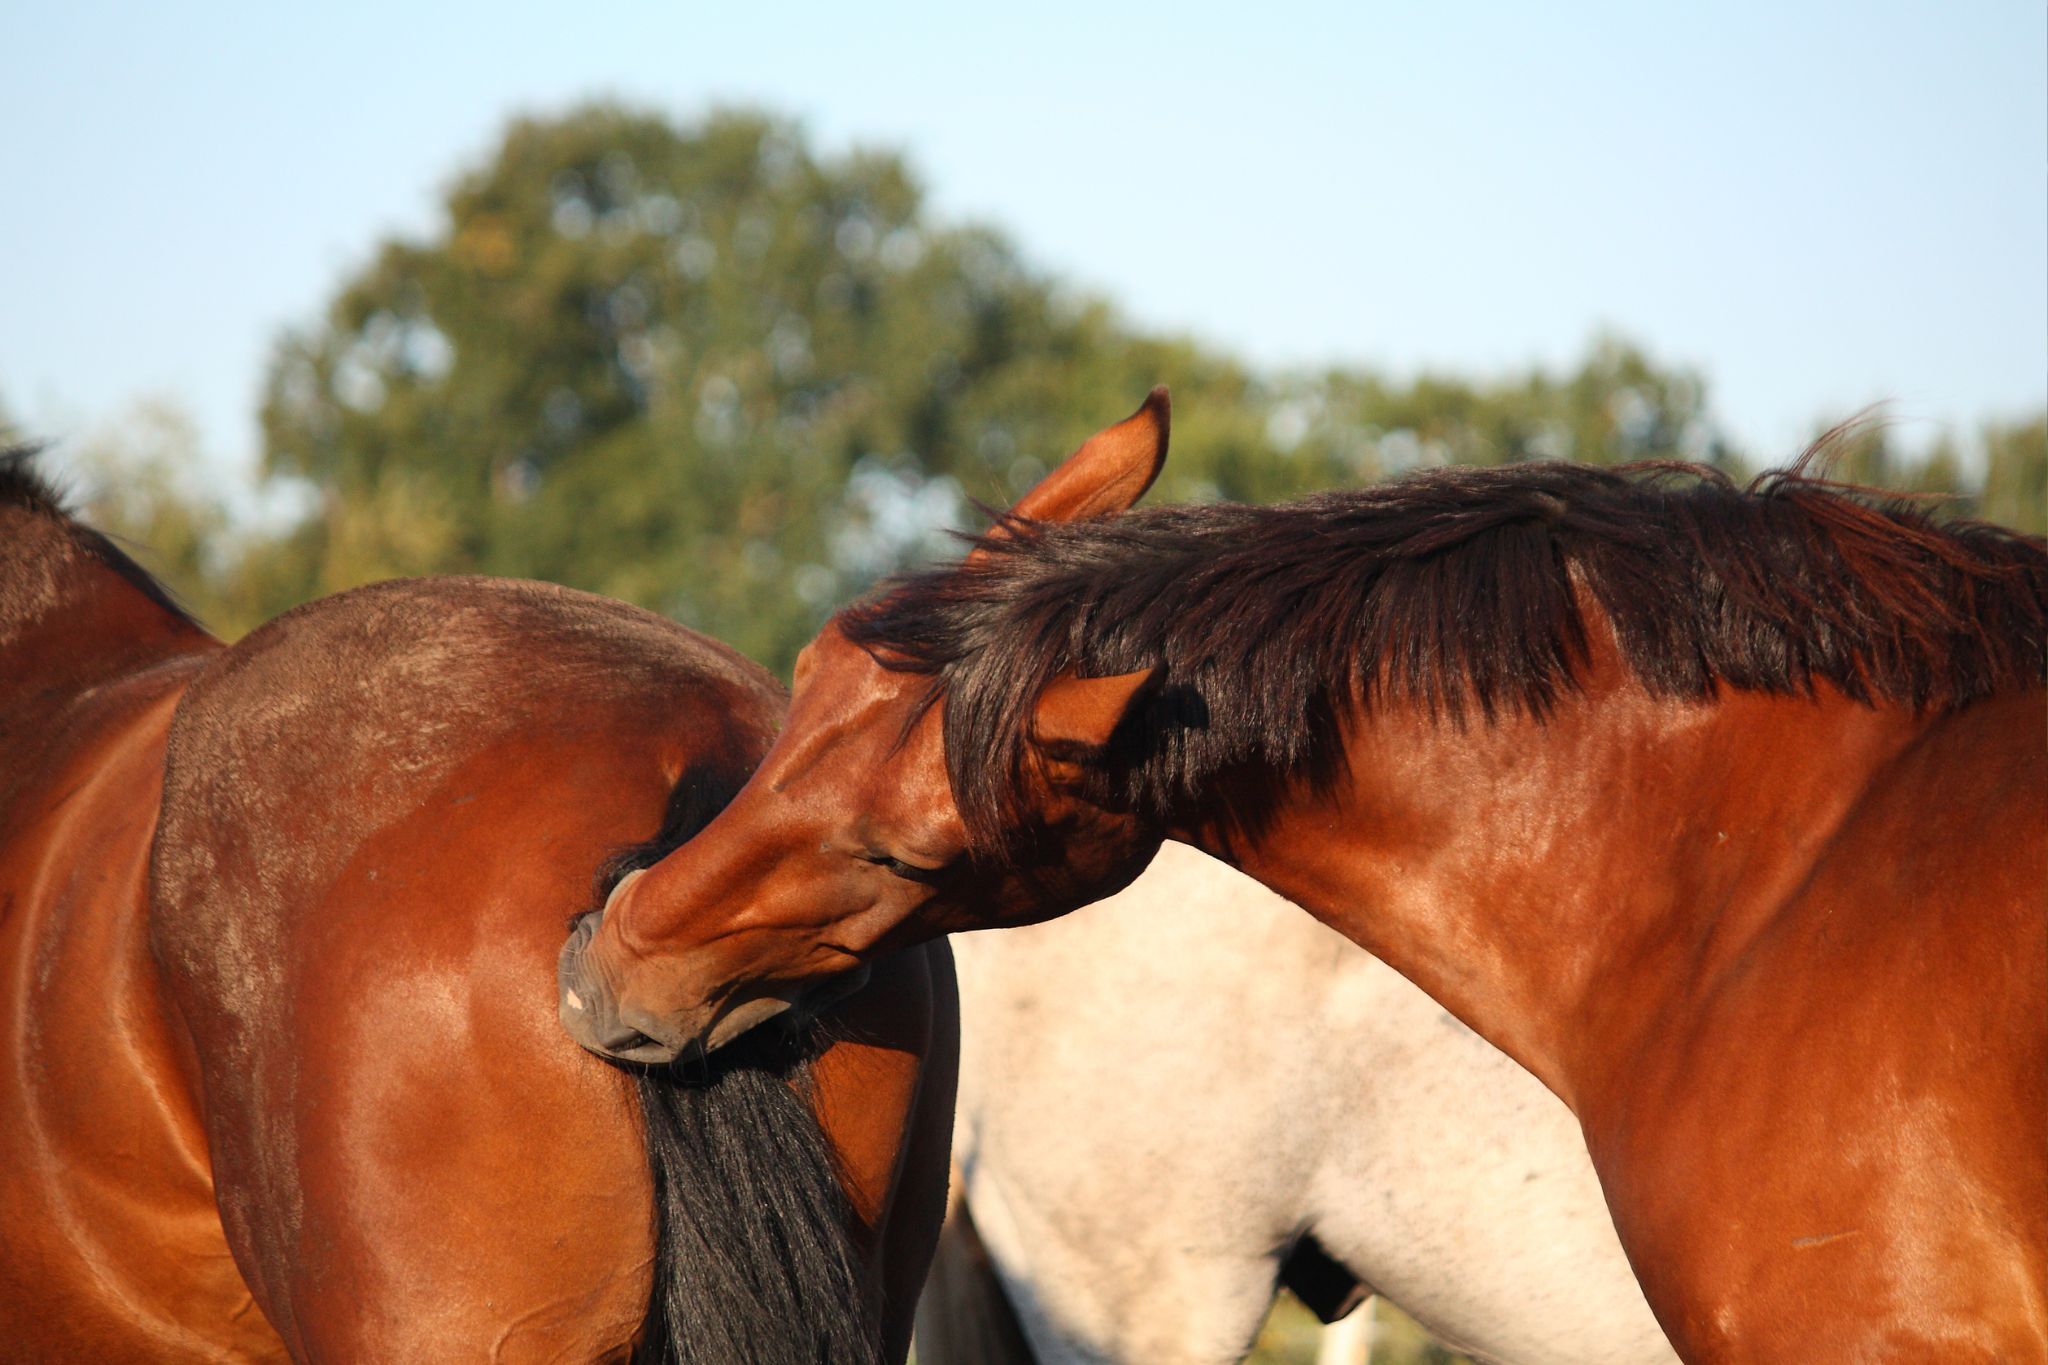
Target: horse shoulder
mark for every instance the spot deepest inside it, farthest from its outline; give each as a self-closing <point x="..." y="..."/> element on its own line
<point x="1903" y="980"/>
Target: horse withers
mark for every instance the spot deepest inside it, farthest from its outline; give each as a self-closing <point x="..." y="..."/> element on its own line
<point x="1722" y="810"/>
<point x="281" y="1072"/>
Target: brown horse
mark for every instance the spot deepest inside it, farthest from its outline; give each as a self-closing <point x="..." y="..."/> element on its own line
<point x="1722" y="810"/>
<point x="279" y="922"/>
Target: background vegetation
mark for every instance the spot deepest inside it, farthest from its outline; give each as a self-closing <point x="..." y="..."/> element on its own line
<point x="707" y="370"/>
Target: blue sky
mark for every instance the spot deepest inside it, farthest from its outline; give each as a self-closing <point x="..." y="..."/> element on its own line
<point x="1818" y="205"/>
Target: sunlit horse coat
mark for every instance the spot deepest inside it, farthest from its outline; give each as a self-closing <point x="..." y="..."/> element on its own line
<point x="279" y="1066"/>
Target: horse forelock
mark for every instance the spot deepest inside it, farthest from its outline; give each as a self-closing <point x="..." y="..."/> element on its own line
<point x="1457" y="589"/>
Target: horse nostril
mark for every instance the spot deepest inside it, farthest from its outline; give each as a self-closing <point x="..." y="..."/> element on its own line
<point x="592" y="1013"/>
<point x="598" y="1027"/>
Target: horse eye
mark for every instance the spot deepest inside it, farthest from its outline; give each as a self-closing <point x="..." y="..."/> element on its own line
<point x="908" y="871"/>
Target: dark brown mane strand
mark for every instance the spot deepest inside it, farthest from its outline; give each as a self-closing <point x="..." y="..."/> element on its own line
<point x="1457" y="589"/>
<point x="24" y="486"/>
<point x="27" y="489"/>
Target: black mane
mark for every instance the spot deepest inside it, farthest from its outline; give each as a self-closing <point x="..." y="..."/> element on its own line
<point x="1456" y="589"/>
<point x="27" y="490"/>
<point x="27" y="487"/>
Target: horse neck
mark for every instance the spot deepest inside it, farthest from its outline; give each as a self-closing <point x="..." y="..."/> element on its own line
<point x="1556" y="882"/>
<point x="70" y="621"/>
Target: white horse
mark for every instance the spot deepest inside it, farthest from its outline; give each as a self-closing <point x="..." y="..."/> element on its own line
<point x="1179" y="1098"/>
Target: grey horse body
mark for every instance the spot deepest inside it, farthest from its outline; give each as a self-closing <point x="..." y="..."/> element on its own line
<point x="1160" y="1094"/>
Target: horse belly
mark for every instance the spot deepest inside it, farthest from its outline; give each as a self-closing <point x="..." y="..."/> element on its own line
<point x="111" y="1247"/>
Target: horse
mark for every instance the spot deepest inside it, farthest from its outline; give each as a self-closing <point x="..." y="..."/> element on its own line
<point x="1381" y="1148"/>
<point x="1721" y="809"/>
<point x="279" y="924"/>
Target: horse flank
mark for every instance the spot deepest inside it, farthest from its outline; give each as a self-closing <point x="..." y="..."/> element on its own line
<point x="1455" y="589"/>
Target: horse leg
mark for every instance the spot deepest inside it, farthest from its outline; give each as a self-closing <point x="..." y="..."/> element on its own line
<point x="110" y="1245"/>
<point x="1348" y="1340"/>
<point x="964" y="1316"/>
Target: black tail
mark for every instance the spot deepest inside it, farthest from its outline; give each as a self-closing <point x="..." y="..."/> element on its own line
<point x="754" y="1259"/>
<point x="753" y="1262"/>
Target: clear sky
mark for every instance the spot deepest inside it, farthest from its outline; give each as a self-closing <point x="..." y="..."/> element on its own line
<point x="1818" y="205"/>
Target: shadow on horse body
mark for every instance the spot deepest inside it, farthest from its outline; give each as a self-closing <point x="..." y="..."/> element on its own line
<point x="1177" y="1099"/>
<point x="1724" y="811"/>
<point x="281" y="1066"/>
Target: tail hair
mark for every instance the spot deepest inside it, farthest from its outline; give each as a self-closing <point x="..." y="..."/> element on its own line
<point x="753" y="1260"/>
<point x="754" y="1255"/>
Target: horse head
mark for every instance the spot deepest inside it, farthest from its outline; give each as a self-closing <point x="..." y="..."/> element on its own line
<point x="849" y="840"/>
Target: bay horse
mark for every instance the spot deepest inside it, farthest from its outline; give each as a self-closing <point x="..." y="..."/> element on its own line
<point x="279" y="921"/>
<point x="1178" y="1099"/>
<point x="1723" y="810"/>
<point x="1141" y="1171"/>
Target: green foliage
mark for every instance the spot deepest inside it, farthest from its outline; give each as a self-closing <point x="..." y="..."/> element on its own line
<point x="2016" y="474"/>
<point x="701" y="369"/>
<point x="707" y="370"/>
<point x="136" y="481"/>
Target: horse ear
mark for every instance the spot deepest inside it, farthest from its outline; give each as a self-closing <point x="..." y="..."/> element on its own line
<point x="1110" y="471"/>
<point x="1079" y="714"/>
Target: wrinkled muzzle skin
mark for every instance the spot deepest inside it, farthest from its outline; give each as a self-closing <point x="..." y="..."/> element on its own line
<point x="592" y="1010"/>
<point x="844" y="845"/>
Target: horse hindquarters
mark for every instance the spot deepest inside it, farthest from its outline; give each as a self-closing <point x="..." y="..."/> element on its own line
<point x="408" y="1167"/>
<point x="379" y="820"/>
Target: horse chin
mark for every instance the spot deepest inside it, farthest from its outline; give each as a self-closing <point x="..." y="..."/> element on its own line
<point x="794" y="1006"/>
<point x="743" y="1017"/>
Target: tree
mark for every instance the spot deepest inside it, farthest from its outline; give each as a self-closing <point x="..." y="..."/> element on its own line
<point x="706" y="370"/>
<point x="699" y="369"/>
<point x="2016" y="474"/>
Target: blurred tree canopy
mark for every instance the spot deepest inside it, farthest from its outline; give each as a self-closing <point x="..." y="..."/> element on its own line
<point x="706" y="369"/>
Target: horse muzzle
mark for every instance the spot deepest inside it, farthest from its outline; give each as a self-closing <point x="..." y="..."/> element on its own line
<point x="593" y="1014"/>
